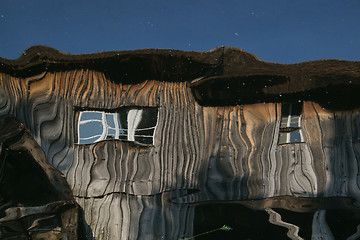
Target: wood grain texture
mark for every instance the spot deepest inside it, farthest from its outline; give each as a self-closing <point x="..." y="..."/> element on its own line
<point x="125" y="216"/>
<point x="200" y="153"/>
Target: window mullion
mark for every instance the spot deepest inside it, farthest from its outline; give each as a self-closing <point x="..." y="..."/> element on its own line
<point x="288" y="125"/>
<point x="116" y="121"/>
<point x="78" y="126"/>
<point x="300" y="130"/>
<point x="105" y="127"/>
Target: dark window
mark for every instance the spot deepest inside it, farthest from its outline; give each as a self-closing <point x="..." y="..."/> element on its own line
<point x="132" y="124"/>
<point x="290" y="125"/>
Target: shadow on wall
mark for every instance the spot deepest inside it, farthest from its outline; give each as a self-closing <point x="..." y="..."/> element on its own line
<point x="283" y="217"/>
<point x="248" y="222"/>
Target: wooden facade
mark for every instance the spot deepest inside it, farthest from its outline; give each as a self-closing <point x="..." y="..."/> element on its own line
<point x="216" y="136"/>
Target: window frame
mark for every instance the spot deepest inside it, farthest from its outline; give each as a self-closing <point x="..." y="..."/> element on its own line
<point x="288" y="130"/>
<point x="105" y="133"/>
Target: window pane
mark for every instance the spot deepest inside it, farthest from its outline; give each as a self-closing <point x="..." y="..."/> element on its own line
<point x="295" y="136"/>
<point x="123" y="119"/>
<point x="295" y="121"/>
<point x="145" y="130"/>
<point x="90" y="115"/>
<point x="284" y="121"/>
<point x="90" y="127"/>
<point x="290" y="137"/>
<point x="111" y="132"/>
<point x="110" y="119"/>
<point x="292" y="111"/>
<point x="149" y="118"/>
<point x="283" y="138"/>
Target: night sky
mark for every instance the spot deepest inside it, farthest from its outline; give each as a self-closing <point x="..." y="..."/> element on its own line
<point x="284" y="31"/>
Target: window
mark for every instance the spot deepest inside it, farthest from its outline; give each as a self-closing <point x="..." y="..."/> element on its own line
<point x="131" y="124"/>
<point x="290" y="125"/>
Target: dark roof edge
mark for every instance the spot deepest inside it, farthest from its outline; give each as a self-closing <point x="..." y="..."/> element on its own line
<point x="56" y="54"/>
<point x="39" y="55"/>
<point x="159" y="64"/>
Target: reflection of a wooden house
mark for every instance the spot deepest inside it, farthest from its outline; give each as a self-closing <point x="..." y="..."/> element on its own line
<point x="143" y="137"/>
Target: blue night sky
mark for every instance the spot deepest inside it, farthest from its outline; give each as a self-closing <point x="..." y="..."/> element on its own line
<point x="284" y="31"/>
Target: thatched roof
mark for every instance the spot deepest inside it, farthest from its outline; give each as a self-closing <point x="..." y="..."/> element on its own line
<point x="219" y="77"/>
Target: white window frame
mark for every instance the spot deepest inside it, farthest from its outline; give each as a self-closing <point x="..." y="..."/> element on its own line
<point x="289" y="120"/>
<point x="133" y="119"/>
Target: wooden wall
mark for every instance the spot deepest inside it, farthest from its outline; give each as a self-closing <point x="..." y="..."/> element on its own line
<point x="222" y="153"/>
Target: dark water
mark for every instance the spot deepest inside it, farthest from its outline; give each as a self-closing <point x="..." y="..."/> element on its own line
<point x="252" y="224"/>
